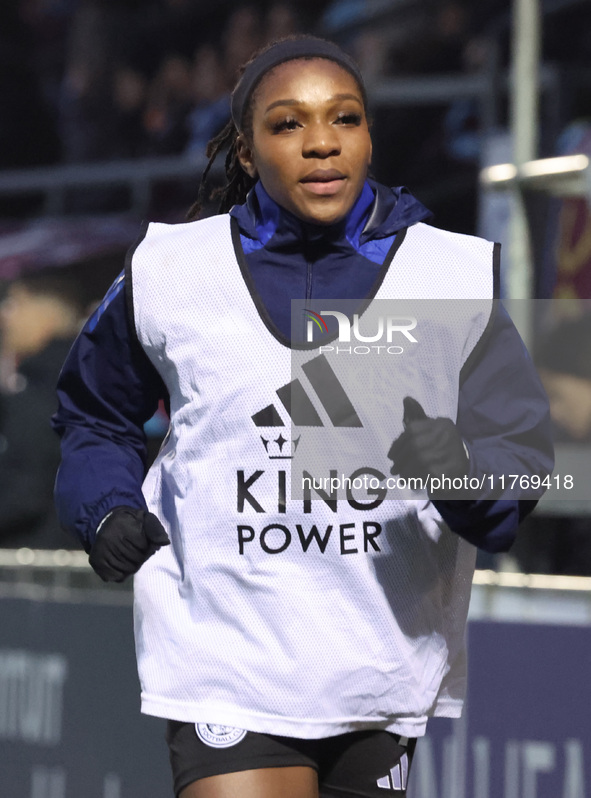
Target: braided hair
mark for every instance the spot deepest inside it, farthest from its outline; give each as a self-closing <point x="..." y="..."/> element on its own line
<point x="238" y="183"/>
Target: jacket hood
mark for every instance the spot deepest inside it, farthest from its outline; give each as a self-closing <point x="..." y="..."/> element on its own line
<point x="393" y="209"/>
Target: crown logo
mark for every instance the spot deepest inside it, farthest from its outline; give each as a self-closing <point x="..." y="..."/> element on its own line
<point x="280" y="448"/>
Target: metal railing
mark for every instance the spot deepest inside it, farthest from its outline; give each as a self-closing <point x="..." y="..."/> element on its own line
<point x="565" y="176"/>
<point x="66" y="577"/>
<point x="140" y="176"/>
<point x="61" y="576"/>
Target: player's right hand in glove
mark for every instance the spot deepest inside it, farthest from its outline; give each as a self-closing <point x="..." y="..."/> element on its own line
<point x="125" y="539"/>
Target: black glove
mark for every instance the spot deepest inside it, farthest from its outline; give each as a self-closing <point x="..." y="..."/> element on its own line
<point x="428" y="446"/>
<point x="124" y="542"/>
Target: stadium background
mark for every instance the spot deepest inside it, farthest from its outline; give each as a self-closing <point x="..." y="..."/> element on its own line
<point x="105" y="109"/>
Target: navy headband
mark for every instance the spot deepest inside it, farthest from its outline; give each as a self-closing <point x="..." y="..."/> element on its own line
<point x="288" y="50"/>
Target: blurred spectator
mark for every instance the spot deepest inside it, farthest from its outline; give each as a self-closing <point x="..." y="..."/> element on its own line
<point x="39" y="318"/>
<point x="434" y="146"/>
<point x="344" y="12"/>
<point x="167" y="107"/>
<point x="240" y="39"/>
<point x="174" y="27"/>
<point x="129" y="99"/>
<point x="211" y="99"/>
<point x="115" y="74"/>
<point x="561" y="544"/>
<point x="48" y="23"/>
<point x="370" y="50"/>
<point x="564" y="363"/>
<point x="461" y="124"/>
<point x="102" y="34"/>
<point x="568" y="245"/>
<point x="84" y="104"/>
<point x="439" y="47"/>
<point x="280" y="20"/>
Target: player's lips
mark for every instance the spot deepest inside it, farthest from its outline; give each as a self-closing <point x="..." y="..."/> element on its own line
<point x="323" y="181"/>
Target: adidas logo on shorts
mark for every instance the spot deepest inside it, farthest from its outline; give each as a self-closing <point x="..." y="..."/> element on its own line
<point x="397" y="777"/>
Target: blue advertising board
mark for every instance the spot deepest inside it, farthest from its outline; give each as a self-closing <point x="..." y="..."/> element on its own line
<point x="526" y="728"/>
<point x="70" y="723"/>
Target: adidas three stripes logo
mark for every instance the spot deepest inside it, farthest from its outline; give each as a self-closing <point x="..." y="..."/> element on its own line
<point x="302" y="412"/>
<point x="397" y="777"/>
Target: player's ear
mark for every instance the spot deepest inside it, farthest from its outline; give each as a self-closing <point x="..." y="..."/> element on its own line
<point x="245" y="156"/>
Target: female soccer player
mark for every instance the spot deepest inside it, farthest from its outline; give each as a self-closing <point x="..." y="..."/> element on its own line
<point x="296" y="647"/>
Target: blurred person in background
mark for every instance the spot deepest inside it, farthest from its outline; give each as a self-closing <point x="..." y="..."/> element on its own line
<point x="175" y="27"/>
<point x="280" y="20"/>
<point x="241" y="37"/>
<point x="167" y="107"/>
<point x="437" y="143"/>
<point x="211" y="98"/>
<point x="561" y="544"/>
<point x="102" y="34"/>
<point x="47" y="23"/>
<point x="40" y="316"/>
<point x="564" y="362"/>
<point x="129" y="100"/>
<point x="84" y="108"/>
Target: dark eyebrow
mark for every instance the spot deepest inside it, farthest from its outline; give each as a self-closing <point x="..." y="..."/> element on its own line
<point x="335" y="97"/>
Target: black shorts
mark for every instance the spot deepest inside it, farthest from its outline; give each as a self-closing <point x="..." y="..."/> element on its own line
<point x="368" y="764"/>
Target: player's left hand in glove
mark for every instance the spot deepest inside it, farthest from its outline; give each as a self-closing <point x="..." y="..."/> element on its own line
<point x="428" y="446"/>
<point x="125" y="539"/>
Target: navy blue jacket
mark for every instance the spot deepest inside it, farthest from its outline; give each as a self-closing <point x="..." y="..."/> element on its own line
<point x="108" y="388"/>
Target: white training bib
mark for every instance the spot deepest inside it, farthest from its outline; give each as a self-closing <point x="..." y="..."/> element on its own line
<point x="312" y="615"/>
